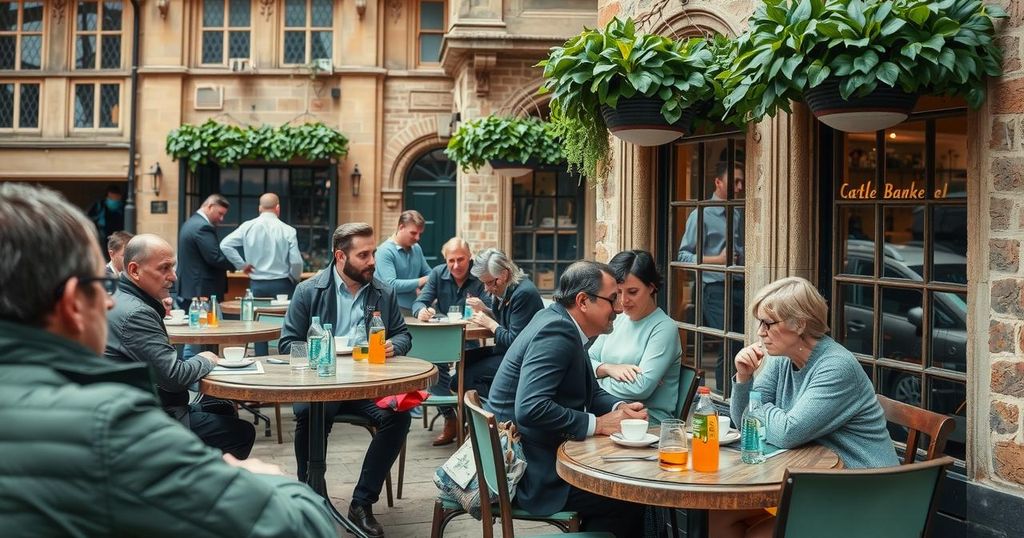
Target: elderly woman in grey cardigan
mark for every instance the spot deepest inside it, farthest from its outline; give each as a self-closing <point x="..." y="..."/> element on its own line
<point x="813" y="388"/>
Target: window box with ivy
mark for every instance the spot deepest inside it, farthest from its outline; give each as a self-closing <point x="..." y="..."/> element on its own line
<point x="512" y="146"/>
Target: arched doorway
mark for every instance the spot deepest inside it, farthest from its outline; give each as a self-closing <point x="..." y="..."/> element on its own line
<point x="430" y="189"/>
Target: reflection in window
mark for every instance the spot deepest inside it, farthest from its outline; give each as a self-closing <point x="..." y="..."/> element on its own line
<point x="97" y="105"/>
<point x="308" y="31"/>
<point x="98" y="26"/>
<point x="19" y="105"/>
<point x="431" y="30"/>
<point x="546" y="225"/>
<point x="21" y="35"/>
<point x="226" y="28"/>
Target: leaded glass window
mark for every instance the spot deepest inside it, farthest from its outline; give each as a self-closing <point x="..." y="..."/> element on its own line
<point x="19" y="105"/>
<point x="308" y="31"/>
<point x="98" y="28"/>
<point x="21" y="35"/>
<point x="227" y="31"/>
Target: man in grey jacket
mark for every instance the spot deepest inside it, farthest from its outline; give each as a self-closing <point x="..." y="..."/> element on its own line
<point x="346" y="294"/>
<point x="136" y="332"/>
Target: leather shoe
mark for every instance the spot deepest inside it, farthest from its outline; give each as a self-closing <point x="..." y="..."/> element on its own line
<point x="362" y="516"/>
<point x="447" y="436"/>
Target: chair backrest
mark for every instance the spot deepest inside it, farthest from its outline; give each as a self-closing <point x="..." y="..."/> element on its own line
<point x="490" y="467"/>
<point x="274" y="319"/>
<point x="438" y="343"/>
<point x="919" y="421"/>
<point x="891" y="501"/>
<point x="689" y="379"/>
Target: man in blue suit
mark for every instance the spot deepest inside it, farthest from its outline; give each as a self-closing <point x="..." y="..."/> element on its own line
<point x="201" y="264"/>
<point x="547" y="388"/>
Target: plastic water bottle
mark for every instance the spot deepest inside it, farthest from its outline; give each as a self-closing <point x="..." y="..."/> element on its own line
<point x="327" y="366"/>
<point x="752" y="431"/>
<point x="705" y="434"/>
<point x="314" y="342"/>
<point x="193" y="314"/>
<point x="204" y="313"/>
<point x="248" y="310"/>
<point x="467" y="311"/>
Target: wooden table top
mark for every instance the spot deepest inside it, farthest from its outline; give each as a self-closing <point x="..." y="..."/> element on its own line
<point x="229" y="332"/>
<point x="354" y="380"/>
<point x="235" y="307"/>
<point x="735" y="486"/>
<point x="473" y="331"/>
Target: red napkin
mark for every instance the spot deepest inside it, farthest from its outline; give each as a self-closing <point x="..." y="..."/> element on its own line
<point x="403" y="402"/>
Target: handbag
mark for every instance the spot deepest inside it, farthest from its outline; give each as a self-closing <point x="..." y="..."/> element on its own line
<point x="457" y="478"/>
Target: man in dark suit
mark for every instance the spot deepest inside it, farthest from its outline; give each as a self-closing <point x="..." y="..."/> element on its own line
<point x="346" y="294"/>
<point x="201" y="264"/>
<point x="545" y="385"/>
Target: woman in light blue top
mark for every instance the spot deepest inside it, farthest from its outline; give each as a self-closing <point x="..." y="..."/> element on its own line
<point x="639" y="359"/>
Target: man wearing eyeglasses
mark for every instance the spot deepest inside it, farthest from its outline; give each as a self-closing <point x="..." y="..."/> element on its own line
<point x="546" y="386"/>
<point x="137" y="333"/>
<point x="85" y="449"/>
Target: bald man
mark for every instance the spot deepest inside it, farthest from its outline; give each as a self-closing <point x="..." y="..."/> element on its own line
<point x="136" y="333"/>
<point x="270" y="250"/>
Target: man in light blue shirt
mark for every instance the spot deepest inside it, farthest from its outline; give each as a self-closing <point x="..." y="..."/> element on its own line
<point x="350" y="307"/>
<point x="400" y="261"/>
<point x="271" y="251"/>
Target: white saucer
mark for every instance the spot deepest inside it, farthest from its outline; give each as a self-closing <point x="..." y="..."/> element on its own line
<point x="343" y="350"/>
<point x="171" y="323"/>
<point x="648" y="439"/>
<point x="275" y="302"/>
<point x="730" y="438"/>
<point x="235" y="364"/>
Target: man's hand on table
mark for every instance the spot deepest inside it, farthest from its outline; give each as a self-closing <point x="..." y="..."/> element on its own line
<point x="254" y="465"/>
<point x="389" y="349"/>
<point x="210" y="356"/>
<point x="425" y="314"/>
<point x="608" y="423"/>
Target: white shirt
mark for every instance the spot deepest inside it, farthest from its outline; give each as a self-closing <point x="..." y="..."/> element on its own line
<point x="592" y="423"/>
<point x="270" y="246"/>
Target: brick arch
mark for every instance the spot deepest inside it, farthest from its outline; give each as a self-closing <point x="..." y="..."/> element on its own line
<point x="416" y="138"/>
<point x="526" y="101"/>
<point x="693" y="21"/>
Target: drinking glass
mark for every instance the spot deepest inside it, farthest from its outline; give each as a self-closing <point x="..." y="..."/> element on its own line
<point x="455" y="313"/>
<point x="299" y="359"/>
<point x="673" y="448"/>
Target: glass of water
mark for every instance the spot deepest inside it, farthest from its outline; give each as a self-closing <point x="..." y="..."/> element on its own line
<point x="455" y="313"/>
<point x="299" y="359"/>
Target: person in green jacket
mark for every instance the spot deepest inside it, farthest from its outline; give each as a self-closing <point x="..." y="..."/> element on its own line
<point x="86" y="449"/>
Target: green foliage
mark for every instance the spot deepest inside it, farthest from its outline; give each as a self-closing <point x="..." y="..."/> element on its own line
<point x="921" y="46"/>
<point x="586" y="147"/>
<point x="226" y="145"/>
<point x="508" y="139"/>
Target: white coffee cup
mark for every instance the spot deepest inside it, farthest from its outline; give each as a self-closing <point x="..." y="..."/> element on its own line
<point x="234" y="354"/>
<point x="282" y="297"/>
<point x="341" y="342"/>
<point x="177" y="315"/>
<point x="723" y="427"/>
<point x="633" y="429"/>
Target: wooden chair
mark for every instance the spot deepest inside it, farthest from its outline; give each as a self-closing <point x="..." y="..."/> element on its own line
<point x="689" y="380"/>
<point x="490" y="471"/>
<point x="860" y="503"/>
<point x="918" y="421"/>
<point x="441" y="344"/>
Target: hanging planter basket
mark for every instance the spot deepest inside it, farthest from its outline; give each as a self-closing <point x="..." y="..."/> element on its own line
<point x="875" y="111"/>
<point x="638" y="120"/>
<point x="513" y="168"/>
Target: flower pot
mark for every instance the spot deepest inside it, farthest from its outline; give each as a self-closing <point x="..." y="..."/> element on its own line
<point x="638" y="120"/>
<point x="877" y="110"/>
<point x="513" y="168"/>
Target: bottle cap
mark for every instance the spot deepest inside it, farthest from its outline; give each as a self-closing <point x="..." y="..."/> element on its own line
<point x="376" y="312"/>
<point x="704" y="390"/>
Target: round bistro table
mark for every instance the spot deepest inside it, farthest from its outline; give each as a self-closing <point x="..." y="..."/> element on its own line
<point x="736" y="485"/>
<point x="235" y="308"/>
<point x="228" y="333"/>
<point x="354" y="380"/>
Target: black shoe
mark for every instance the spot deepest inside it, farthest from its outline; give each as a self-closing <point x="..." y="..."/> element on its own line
<point x="362" y="516"/>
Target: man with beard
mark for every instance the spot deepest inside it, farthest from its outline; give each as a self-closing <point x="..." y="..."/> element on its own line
<point x="136" y="333"/>
<point x="345" y="294"/>
<point x="545" y="385"/>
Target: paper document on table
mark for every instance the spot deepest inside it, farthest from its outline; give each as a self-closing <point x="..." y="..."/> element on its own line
<point x="254" y="368"/>
<point x="771" y="450"/>
<point x="460" y="467"/>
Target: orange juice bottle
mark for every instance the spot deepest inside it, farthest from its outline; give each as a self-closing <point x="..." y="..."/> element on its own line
<point x="377" y="335"/>
<point x="213" y="320"/>
<point x="705" y="434"/>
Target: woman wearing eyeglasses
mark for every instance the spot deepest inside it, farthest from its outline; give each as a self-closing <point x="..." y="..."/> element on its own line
<point x="813" y="388"/>
<point x="639" y="359"/>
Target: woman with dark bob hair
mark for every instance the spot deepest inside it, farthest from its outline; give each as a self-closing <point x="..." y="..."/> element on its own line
<point x="639" y="359"/>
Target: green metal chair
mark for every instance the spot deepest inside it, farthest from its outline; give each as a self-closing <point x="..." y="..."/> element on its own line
<point x="493" y="482"/>
<point x="860" y="503"/>
<point x="689" y="380"/>
<point x="441" y="344"/>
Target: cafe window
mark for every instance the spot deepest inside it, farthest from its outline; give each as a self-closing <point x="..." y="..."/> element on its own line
<point x="307" y="196"/>
<point x="898" y="274"/>
<point x="97" y="105"/>
<point x="547" y="223"/>
<point x="431" y="31"/>
<point x="226" y="30"/>
<point x="703" y="248"/>
<point x="308" y="33"/>
<point x="98" y="28"/>
<point x="21" y="35"/>
<point x="19" y="106"/>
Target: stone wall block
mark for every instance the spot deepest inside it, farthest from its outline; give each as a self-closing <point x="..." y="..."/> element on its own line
<point x="1000" y="337"/>
<point x="1011" y="53"/>
<point x="1004" y="255"/>
<point x="1003" y="135"/>
<point x="1004" y="418"/>
<point x="1008" y="297"/>
<point x="1008" y="461"/>
<point x="1008" y="378"/>
<point x="1000" y="210"/>
<point x="1008" y="97"/>
<point x="1007" y="173"/>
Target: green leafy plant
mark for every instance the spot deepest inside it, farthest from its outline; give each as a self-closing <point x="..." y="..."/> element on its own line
<point x="516" y="140"/>
<point x="921" y="46"/>
<point x="601" y="67"/>
<point x="227" y="145"/>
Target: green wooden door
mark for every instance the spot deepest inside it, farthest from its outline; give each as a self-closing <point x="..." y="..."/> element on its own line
<point x="430" y="189"/>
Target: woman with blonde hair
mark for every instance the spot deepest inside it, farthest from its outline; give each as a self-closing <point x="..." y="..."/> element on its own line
<point x="813" y="388"/>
